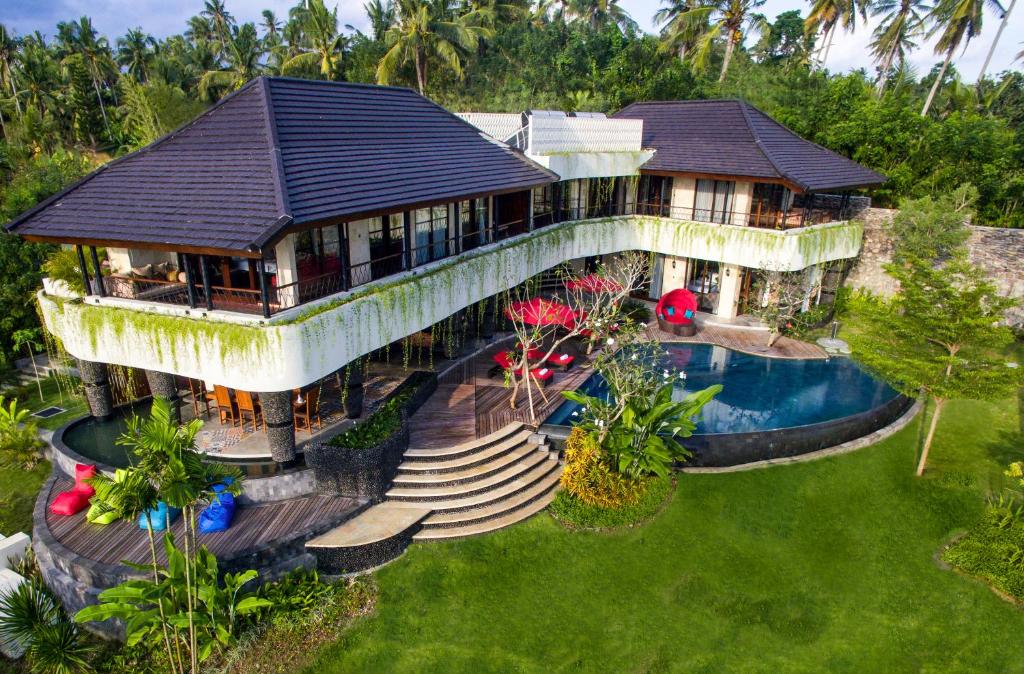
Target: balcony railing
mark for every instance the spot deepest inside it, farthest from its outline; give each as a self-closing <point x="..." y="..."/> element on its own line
<point x="278" y="298"/>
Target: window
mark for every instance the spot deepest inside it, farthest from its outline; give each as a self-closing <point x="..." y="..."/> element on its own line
<point x="655" y="195"/>
<point x="473" y="221"/>
<point x="318" y="252"/>
<point x="543" y="206"/>
<point x="769" y="205"/>
<point x="430" y="233"/>
<point x="387" y="248"/>
<point x="713" y="201"/>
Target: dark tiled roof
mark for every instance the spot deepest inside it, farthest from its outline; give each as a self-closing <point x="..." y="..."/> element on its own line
<point x="280" y="151"/>
<point x="731" y="137"/>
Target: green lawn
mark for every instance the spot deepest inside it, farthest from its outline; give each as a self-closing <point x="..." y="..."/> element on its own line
<point x="18" y="490"/>
<point x="820" y="566"/>
<point x="52" y="396"/>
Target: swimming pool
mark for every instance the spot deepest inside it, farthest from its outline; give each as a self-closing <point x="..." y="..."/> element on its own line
<point x="768" y="407"/>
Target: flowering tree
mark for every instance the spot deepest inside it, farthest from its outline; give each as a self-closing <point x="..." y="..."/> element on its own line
<point x="595" y="305"/>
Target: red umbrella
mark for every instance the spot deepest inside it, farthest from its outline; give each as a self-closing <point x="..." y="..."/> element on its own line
<point x="592" y="283"/>
<point x="541" y="312"/>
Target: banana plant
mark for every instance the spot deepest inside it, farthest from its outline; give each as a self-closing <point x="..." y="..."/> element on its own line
<point x="641" y="434"/>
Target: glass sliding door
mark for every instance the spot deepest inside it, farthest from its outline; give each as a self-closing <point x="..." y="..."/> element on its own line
<point x="430" y="232"/>
<point x="714" y="200"/>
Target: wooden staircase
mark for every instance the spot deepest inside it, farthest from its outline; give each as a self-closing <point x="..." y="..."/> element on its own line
<point x="441" y="494"/>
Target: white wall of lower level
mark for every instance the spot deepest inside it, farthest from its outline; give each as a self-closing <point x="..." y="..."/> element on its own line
<point x="305" y="343"/>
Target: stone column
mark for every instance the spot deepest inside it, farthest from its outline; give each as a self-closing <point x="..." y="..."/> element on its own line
<point x="97" y="388"/>
<point x="729" y="277"/>
<point x="279" y="417"/>
<point x="164" y="385"/>
<point x="487" y="324"/>
<point x="352" y="379"/>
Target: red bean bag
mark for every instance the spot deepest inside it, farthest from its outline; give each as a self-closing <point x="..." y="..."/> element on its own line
<point x="677" y="312"/>
<point x="562" y="360"/>
<point x="76" y="499"/>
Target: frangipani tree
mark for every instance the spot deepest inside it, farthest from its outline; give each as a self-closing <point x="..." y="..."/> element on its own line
<point x="941" y="335"/>
<point x="597" y="308"/>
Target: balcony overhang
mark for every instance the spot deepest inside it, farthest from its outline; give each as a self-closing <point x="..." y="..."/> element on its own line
<point x="573" y="165"/>
<point x="306" y="343"/>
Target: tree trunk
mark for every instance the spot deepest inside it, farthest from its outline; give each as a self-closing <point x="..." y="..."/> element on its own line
<point x="103" y="110"/>
<point x="937" y="84"/>
<point x="156" y="581"/>
<point x="939" y="404"/>
<point x="682" y="53"/>
<point x="421" y="71"/>
<point x="995" y="40"/>
<point x="729" y="46"/>
<point x="828" y="44"/>
<point x="883" y="76"/>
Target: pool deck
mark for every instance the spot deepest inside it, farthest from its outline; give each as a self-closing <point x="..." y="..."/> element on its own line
<point x="748" y="340"/>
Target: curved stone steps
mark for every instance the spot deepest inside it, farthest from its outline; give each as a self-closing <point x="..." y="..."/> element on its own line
<point x="465" y="448"/>
<point x="462" y="462"/>
<point x="498" y="514"/>
<point x="468" y="486"/>
<point x="459" y="502"/>
<point x="496" y="465"/>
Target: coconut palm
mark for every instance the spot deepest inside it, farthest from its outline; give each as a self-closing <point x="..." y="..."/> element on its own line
<point x="135" y="52"/>
<point x="826" y="15"/>
<point x="8" y="53"/>
<point x="381" y="16"/>
<point x="327" y="45"/>
<point x="244" y="49"/>
<point x="956" y="22"/>
<point x="995" y="40"/>
<point x="598" y="13"/>
<point x="271" y="25"/>
<point x="728" y="18"/>
<point x="680" y="26"/>
<point x="427" y="30"/>
<point x="220" y="19"/>
<point x="38" y="74"/>
<point x="902" y="22"/>
<point x="95" y="51"/>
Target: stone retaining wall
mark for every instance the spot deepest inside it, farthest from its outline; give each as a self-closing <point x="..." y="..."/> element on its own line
<point x="998" y="250"/>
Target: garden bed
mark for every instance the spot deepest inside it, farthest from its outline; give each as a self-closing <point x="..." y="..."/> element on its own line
<point x="576" y="515"/>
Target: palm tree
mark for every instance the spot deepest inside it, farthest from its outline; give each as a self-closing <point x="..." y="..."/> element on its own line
<point x="381" y="15"/>
<point x="327" y="45"/>
<point x="826" y="15"/>
<point x="95" y="51"/>
<point x="38" y="74"/>
<point x="425" y="30"/>
<point x="135" y="52"/>
<point x="719" y="18"/>
<point x="599" y="13"/>
<point x="8" y="53"/>
<point x="243" y="54"/>
<point x="200" y="29"/>
<point x="270" y="23"/>
<point x="217" y="14"/>
<point x="902" y="23"/>
<point x="681" y="27"/>
<point x="995" y="40"/>
<point x="956" y="22"/>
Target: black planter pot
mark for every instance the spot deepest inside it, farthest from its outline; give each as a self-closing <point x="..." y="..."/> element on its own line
<point x="358" y="473"/>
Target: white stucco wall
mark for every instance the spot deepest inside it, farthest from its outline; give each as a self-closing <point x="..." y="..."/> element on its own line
<point x="305" y="343"/>
<point x="574" y="165"/>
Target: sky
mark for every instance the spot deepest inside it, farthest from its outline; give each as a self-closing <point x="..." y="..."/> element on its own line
<point x="165" y="17"/>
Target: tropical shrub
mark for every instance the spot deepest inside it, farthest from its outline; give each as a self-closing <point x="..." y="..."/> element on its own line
<point x="591" y="479"/>
<point x="63" y="265"/>
<point x="32" y="616"/>
<point x="19" y="436"/>
<point x="217" y="609"/>
<point x="576" y="514"/>
<point x="377" y="428"/>
<point x="636" y="311"/>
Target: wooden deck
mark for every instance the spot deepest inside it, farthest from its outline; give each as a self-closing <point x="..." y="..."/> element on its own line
<point x="253" y="526"/>
<point x="469" y="404"/>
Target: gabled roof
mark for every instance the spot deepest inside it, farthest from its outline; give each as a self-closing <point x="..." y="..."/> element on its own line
<point x="278" y="152"/>
<point x="730" y="137"/>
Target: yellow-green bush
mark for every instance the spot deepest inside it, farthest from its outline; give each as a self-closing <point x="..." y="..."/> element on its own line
<point x="589" y="478"/>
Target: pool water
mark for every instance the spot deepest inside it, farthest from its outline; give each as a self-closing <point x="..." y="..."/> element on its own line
<point x="97" y="440"/>
<point x="759" y="394"/>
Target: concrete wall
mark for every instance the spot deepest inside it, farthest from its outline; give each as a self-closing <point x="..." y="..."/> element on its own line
<point x="998" y="250"/>
<point x="594" y="164"/>
<point x="306" y="343"/>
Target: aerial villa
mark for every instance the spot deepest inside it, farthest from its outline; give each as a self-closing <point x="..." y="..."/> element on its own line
<point x="259" y="257"/>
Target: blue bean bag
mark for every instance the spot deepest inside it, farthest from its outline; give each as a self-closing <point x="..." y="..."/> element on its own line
<point x="161" y="515"/>
<point x="218" y="515"/>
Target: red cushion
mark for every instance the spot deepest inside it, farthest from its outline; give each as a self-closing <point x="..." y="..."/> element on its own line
<point x="680" y="300"/>
<point x="542" y="373"/>
<point x="69" y="503"/>
<point x="560" y="359"/>
<point x="502" y="359"/>
<point x="84" y="472"/>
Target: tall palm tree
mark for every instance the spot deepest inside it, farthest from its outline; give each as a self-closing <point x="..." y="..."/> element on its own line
<point x="38" y="74"/>
<point x="995" y="40"/>
<point x="217" y="14"/>
<point x="95" y="50"/>
<point x="200" y="29"/>
<point x="271" y="25"/>
<point x="381" y="15"/>
<point x="956" y="22"/>
<point x="327" y="45"/>
<point x="680" y="27"/>
<point x="425" y="30"/>
<point x="243" y="55"/>
<point x="902" y="22"/>
<point x="135" y="52"/>
<point x="720" y="18"/>
<point x="599" y="13"/>
<point x="8" y="53"/>
<point x="827" y="15"/>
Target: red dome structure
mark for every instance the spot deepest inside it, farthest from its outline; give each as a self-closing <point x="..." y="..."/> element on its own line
<point x="677" y="312"/>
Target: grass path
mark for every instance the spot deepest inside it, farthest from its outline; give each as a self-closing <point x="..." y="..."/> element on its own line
<point x="809" y="567"/>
